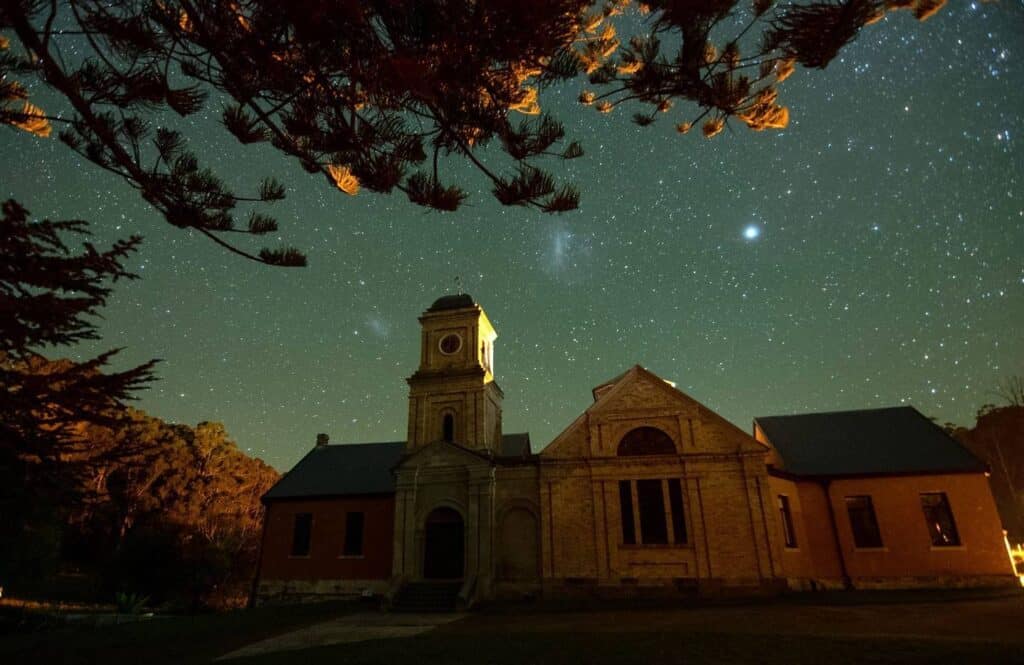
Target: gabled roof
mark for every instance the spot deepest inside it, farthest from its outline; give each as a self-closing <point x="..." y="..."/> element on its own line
<point x="515" y="445"/>
<point x="897" y="440"/>
<point x="340" y="470"/>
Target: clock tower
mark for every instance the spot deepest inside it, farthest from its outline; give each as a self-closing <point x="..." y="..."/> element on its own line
<point x="453" y="396"/>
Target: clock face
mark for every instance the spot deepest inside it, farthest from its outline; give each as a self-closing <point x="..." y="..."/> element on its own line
<point x="450" y="344"/>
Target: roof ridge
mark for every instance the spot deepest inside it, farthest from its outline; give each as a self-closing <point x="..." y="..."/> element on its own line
<point x="841" y="411"/>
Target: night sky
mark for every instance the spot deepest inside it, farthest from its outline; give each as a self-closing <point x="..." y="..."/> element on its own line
<point x="871" y="254"/>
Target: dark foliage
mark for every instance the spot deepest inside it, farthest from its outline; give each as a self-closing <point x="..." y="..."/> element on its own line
<point x="998" y="438"/>
<point x="373" y="95"/>
<point x="49" y="297"/>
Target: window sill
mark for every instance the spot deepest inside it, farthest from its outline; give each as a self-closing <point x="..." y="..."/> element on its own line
<point x="871" y="549"/>
<point x="948" y="548"/>
<point x="794" y="548"/>
<point x="299" y="556"/>
<point x="351" y="556"/>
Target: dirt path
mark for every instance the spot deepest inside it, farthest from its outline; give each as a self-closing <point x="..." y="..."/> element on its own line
<point x="347" y="629"/>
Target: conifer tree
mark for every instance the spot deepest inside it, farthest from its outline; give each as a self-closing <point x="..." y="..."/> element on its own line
<point x="49" y="297"/>
<point x="382" y="95"/>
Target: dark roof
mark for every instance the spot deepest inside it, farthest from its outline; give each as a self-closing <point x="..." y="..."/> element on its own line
<point x="338" y="470"/>
<point x="869" y="442"/>
<point x="460" y="301"/>
<point x="360" y="468"/>
<point x="515" y="445"/>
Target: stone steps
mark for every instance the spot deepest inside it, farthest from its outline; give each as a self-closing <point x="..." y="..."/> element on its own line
<point x="427" y="597"/>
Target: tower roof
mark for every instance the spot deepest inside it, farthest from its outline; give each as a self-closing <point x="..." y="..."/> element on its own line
<point x="455" y="301"/>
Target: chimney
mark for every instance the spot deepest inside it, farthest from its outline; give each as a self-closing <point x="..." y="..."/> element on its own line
<point x="321" y="440"/>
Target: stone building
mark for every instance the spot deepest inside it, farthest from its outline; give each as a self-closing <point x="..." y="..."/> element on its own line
<point x="646" y="492"/>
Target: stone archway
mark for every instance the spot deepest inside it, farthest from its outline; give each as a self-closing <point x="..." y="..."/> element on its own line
<point x="444" y="545"/>
<point x="519" y="558"/>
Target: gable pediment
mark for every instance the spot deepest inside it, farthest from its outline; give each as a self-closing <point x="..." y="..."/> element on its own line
<point x="639" y="398"/>
<point x="639" y="394"/>
<point x="441" y="455"/>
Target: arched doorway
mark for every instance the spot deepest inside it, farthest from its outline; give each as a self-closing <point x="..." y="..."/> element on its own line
<point x="443" y="545"/>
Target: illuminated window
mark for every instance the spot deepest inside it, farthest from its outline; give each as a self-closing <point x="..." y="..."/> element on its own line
<point x="787" y="521"/>
<point x="353" y="535"/>
<point x="863" y="522"/>
<point x="939" y="518"/>
<point x="302" y="534"/>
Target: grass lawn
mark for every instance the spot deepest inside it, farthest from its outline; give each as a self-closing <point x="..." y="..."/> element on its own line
<point x="937" y="627"/>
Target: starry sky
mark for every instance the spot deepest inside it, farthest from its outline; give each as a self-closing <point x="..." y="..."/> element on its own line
<point x="871" y="254"/>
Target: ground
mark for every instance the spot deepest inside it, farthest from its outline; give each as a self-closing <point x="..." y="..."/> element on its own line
<point x="921" y="627"/>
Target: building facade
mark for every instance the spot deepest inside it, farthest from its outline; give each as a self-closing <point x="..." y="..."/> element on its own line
<point x="647" y="492"/>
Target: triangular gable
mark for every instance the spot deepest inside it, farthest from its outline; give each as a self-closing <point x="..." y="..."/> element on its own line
<point x="642" y="396"/>
<point x="571" y="442"/>
<point x="641" y="390"/>
<point x="441" y="453"/>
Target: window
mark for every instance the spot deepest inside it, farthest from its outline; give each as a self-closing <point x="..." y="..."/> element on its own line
<point x="939" y="518"/>
<point x="646" y="441"/>
<point x="302" y="534"/>
<point x="787" y="521"/>
<point x="651" y="503"/>
<point x="353" y="535"/>
<point x="675" y="501"/>
<point x="448" y="428"/>
<point x="626" y="509"/>
<point x="655" y="520"/>
<point x="863" y="522"/>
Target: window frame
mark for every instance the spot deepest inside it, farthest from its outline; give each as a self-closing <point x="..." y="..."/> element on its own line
<point x="345" y="553"/>
<point x="788" y="526"/>
<point x="626" y="518"/>
<point x="875" y="543"/>
<point x="673" y="519"/>
<point x="292" y="552"/>
<point x="957" y="541"/>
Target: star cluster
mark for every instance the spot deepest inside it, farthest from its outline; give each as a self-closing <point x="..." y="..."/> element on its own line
<point x="871" y="254"/>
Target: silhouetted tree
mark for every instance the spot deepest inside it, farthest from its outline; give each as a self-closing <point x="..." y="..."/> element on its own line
<point x="48" y="297"/>
<point x="373" y="94"/>
<point x="998" y="438"/>
<point x="1011" y="390"/>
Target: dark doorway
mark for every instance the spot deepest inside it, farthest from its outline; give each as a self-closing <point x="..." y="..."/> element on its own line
<point x="443" y="546"/>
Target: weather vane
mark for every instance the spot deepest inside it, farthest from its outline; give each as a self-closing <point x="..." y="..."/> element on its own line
<point x="458" y="285"/>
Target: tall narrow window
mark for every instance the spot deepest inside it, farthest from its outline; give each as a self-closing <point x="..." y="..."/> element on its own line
<point x="626" y="512"/>
<point x="651" y="504"/>
<point x="302" y="534"/>
<point x="788" y="532"/>
<point x="939" y="518"/>
<point x="448" y="428"/>
<point x="353" y="535"/>
<point x="675" y="500"/>
<point x="863" y="522"/>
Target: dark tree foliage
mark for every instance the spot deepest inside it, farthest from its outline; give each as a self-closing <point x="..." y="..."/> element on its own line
<point x="373" y="94"/>
<point x="48" y="297"/>
<point x="690" y="56"/>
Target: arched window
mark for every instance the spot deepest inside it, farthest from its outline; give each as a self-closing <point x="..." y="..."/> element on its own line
<point x="646" y="441"/>
<point x="448" y="428"/>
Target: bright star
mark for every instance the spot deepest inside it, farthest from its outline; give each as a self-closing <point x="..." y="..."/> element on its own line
<point x="751" y="232"/>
